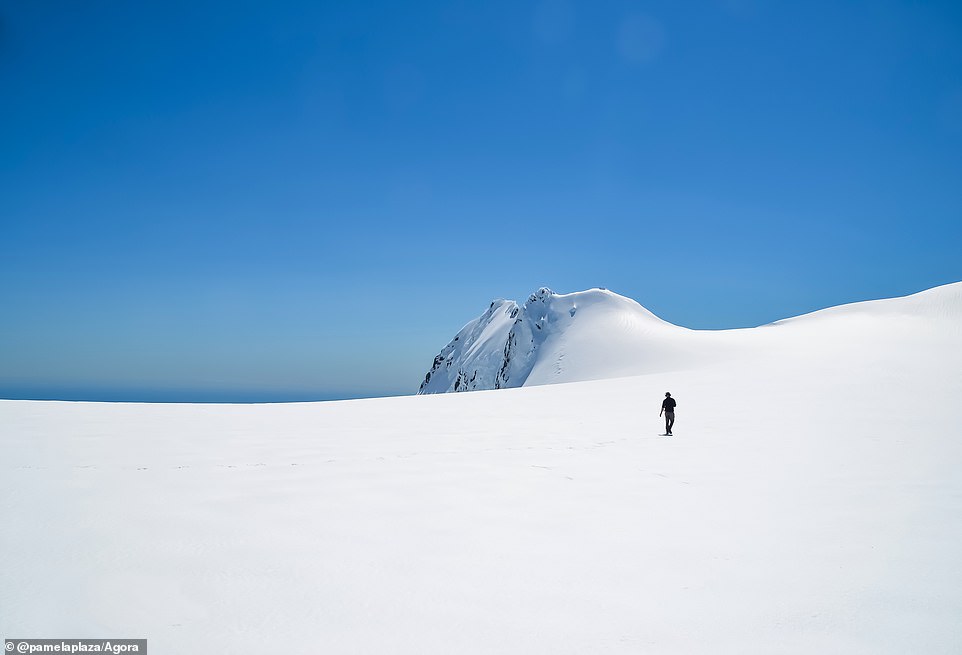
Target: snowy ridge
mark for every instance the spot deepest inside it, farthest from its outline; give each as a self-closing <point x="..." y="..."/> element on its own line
<point x="598" y="334"/>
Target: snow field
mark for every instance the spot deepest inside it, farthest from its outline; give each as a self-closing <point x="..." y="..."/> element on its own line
<point x="809" y="502"/>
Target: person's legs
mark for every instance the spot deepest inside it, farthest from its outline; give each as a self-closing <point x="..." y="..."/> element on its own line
<point x="669" y="421"/>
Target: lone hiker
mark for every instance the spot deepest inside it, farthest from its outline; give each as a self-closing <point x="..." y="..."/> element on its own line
<point x="668" y="409"/>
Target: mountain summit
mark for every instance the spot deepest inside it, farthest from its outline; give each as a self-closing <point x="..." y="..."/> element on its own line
<point x="598" y="334"/>
<point x="551" y="338"/>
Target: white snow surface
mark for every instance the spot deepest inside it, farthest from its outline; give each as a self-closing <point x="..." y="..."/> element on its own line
<point x="809" y="502"/>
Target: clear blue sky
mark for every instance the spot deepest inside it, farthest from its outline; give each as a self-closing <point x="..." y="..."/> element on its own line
<point x="246" y="201"/>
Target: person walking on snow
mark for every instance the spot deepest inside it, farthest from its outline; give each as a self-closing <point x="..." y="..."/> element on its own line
<point x="668" y="409"/>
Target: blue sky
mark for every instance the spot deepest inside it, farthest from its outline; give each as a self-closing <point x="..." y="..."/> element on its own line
<point x="260" y="201"/>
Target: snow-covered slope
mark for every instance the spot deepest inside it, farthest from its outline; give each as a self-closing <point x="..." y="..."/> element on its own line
<point x="810" y="502"/>
<point x="473" y="358"/>
<point x="598" y="334"/>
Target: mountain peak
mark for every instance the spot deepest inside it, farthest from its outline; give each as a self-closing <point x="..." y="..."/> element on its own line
<point x="541" y="295"/>
<point x="502" y="347"/>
